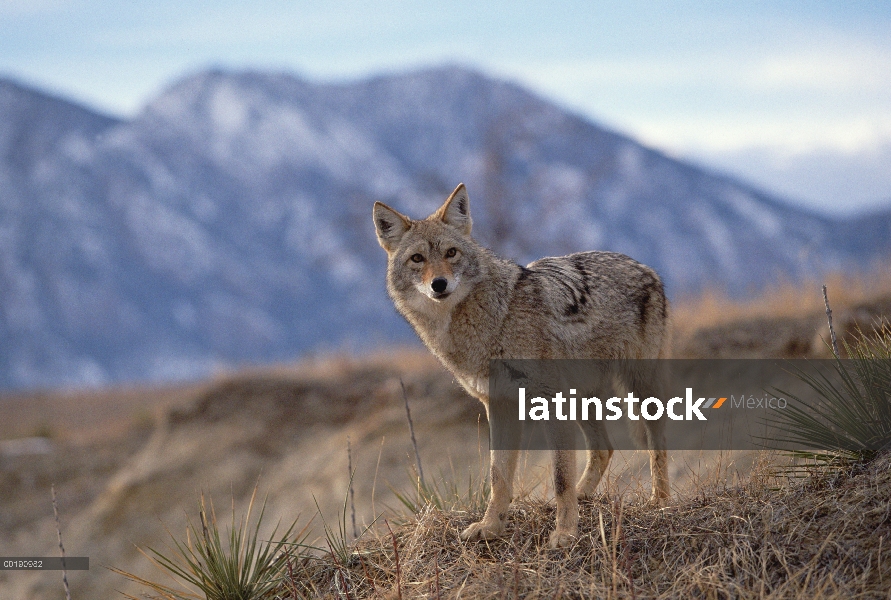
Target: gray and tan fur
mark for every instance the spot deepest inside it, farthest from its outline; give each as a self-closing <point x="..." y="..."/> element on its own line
<point x="469" y="306"/>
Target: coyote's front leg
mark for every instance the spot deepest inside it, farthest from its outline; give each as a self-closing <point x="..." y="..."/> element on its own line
<point x="502" y="464"/>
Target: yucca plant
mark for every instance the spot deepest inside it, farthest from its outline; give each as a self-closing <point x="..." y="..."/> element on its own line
<point x="340" y="543"/>
<point x="852" y="422"/>
<point x="243" y="567"/>
<point x="444" y="494"/>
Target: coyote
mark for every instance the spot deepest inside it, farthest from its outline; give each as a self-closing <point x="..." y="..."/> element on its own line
<point x="469" y="306"/>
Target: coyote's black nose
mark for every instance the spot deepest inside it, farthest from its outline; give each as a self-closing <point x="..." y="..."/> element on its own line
<point x="439" y="285"/>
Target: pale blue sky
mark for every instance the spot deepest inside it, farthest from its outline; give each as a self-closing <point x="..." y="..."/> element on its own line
<point x="775" y="90"/>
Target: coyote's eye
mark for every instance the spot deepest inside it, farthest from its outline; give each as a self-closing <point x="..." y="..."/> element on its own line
<point x="417" y="258"/>
<point x="451" y="252"/>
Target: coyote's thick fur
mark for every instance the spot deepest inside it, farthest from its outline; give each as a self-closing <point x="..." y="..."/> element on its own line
<point x="469" y="306"/>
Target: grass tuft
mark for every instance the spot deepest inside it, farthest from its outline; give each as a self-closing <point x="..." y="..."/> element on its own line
<point x="243" y="567"/>
<point x="444" y="494"/>
<point x="340" y="545"/>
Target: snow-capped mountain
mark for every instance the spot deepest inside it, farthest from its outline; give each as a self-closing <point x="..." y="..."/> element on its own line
<point x="230" y="221"/>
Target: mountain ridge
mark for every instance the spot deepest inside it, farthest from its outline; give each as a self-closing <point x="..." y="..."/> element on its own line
<point x="229" y="220"/>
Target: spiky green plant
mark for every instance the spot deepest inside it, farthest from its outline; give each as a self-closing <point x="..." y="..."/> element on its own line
<point x="852" y="422"/>
<point x="340" y="543"/>
<point x="244" y="567"/>
<point x="444" y="494"/>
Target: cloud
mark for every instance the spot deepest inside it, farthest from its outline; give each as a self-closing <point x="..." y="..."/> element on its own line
<point x="828" y="180"/>
<point x="854" y="69"/>
<point x="782" y="134"/>
<point x="799" y="98"/>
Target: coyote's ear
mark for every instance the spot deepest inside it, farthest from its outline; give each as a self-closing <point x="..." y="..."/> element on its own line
<point x="390" y="226"/>
<point x="456" y="210"/>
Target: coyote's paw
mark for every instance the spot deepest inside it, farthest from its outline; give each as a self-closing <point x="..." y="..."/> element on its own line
<point x="562" y="539"/>
<point x="587" y="493"/>
<point x="483" y="530"/>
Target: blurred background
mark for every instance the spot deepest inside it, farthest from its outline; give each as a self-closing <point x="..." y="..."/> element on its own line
<point x="186" y="186"/>
<point x="191" y="292"/>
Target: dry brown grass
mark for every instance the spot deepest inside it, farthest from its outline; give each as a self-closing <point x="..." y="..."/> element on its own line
<point x="787" y="320"/>
<point x="825" y="536"/>
<point x="781" y="300"/>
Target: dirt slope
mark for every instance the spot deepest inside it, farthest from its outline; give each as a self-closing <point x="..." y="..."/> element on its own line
<point x="127" y="463"/>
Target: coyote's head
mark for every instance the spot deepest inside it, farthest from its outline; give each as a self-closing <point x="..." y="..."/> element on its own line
<point x="432" y="260"/>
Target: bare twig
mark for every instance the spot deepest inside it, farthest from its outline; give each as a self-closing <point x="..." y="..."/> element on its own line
<point x="61" y="547"/>
<point x="831" y="329"/>
<point x="367" y="576"/>
<point x="376" y="469"/>
<point x="625" y="549"/>
<point x="616" y="534"/>
<point x="411" y="428"/>
<point x="396" y="554"/>
<point x="436" y="568"/>
<point x="352" y="492"/>
<point x="292" y="580"/>
<point x="343" y="576"/>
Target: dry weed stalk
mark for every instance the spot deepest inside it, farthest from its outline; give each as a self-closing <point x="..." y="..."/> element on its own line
<point x="831" y="328"/>
<point x="352" y="491"/>
<point x="411" y="428"/>
<point x="396" y="555"/>
<point x="61" y="547"/>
